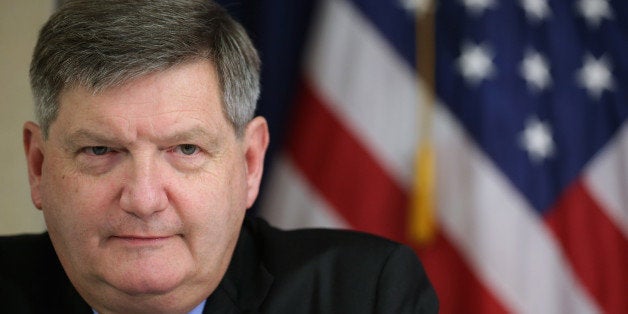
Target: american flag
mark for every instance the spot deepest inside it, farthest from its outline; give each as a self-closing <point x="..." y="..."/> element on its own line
<point x="536" y="93"/>
<point x="527" y="130"/>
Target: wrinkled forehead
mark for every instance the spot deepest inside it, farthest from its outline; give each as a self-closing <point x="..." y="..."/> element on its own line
<point x="186" y="94"/>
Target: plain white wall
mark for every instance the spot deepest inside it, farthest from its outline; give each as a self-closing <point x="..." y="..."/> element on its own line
<point x="20" y="21"/>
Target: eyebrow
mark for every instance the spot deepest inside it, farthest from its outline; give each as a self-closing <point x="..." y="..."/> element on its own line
<point x="80" y="136"/>
<point x="192" y="134"/>
<point x="76" y="138"/>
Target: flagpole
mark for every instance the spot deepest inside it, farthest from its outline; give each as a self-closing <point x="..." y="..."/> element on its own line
<point x="422" y="213"/>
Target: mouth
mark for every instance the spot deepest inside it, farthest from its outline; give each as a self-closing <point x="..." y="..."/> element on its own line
<point x="142" y="240"/>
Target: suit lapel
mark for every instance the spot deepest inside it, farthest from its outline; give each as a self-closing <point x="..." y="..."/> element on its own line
<point x="247" y="281"/>
<point x="60" y="295"/>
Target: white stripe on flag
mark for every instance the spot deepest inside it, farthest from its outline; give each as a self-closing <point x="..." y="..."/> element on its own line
<point x="505" y="242"/>
<point x="607" y="177"/>
<point x="290" y="202"/>
<point x="368" y="86"/>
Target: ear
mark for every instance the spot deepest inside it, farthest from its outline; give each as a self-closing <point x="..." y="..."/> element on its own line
<point x="33" y="148"/>
<point x="256" y="142"/>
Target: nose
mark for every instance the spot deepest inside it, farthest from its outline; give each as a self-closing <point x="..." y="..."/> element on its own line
<point x="144" y="192"/>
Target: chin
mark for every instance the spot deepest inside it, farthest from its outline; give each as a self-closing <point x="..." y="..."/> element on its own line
<point x="143" y="291"/>
<point x="146" y="270"/>
<point x="153" y="283"/>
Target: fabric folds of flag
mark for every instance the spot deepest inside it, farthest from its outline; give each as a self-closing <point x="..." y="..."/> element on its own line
<point x="528" y="134"/>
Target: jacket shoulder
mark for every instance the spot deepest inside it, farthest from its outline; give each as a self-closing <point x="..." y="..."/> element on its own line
<point x="342" y="271"/>
<point x="23" y="263"/>
<point x="32" y="279"/>
<point x="282" y="250"/>
<point x="22" y="256"/>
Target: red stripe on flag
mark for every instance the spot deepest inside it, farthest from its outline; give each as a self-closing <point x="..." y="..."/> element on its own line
<point x="458" y="289"/>
<point x="339" y="166"/>
<point x="341" y="169"/>
<point x="596" y="249"/>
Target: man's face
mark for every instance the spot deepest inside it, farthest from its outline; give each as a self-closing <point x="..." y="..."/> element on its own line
<point x="144" y="188"/>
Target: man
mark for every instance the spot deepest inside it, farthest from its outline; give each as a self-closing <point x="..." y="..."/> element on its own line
<point x="144" y="161"/>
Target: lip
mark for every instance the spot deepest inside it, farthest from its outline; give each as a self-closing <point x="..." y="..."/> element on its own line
<point x="141" y="239"/>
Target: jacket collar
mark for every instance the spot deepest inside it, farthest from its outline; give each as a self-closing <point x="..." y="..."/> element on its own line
<point x="246" y="282"/>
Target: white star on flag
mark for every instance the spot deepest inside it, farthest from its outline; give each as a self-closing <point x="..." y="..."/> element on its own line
<point x="535" y="70"/>
<point x="475" y="63"/>
<point x="536" y="139"/>
<point x="595" y="76"/>
<point x="536" y="10"/>
<point x="477" y="7"/>
<point x="594" y="11"/>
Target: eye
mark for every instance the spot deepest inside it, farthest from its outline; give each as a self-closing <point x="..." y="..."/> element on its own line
<point x="97" y="150"/>
<point x="188" y="149"/>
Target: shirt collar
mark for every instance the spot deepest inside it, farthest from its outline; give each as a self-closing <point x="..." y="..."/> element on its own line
<point x="199" y="308"/>
<point x="196" y="310"/>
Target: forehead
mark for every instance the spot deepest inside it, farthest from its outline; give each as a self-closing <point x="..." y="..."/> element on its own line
<point x="187" y="93"/>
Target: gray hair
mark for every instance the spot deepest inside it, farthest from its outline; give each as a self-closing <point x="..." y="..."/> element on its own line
<point x="99" y="44"/>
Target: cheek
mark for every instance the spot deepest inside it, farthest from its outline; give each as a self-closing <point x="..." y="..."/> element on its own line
<point x="73" y="204"/>
<point x="210" y="203"/>
<point x="214" y="207"/>
<point x="67" y="219"/>
<point x="220" y="190"/>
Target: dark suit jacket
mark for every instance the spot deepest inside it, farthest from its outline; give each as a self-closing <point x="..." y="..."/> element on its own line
<point x="272" y="271"/>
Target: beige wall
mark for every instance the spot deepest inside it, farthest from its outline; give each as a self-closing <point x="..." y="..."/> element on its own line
<point x="20" y="21"/>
